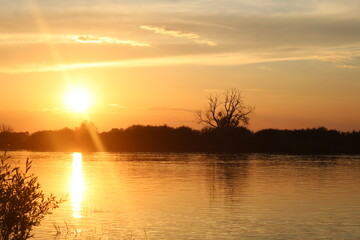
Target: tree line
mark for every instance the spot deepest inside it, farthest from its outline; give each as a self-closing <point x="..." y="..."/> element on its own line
<point x="225" y="119"/>
<point x="185" y="139"/>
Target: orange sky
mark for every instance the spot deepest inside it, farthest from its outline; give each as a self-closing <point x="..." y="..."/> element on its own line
<point x="154" y="63"/>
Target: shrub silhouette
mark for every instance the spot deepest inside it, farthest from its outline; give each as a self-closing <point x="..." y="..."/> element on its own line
<point x="22" y="203"/>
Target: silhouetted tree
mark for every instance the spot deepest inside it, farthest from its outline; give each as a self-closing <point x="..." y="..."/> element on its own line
<point x="5" y="128"/>
<point x="13" y="140"/>
<point x="226" y="110"/>
<point x="184" y="139"/>
<point x="85" y="136"/>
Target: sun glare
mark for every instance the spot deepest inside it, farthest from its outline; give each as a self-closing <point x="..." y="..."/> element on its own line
<point x="78" y="100"/>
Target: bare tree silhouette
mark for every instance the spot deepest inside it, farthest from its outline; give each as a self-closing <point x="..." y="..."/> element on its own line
<point x="225" y="110"/>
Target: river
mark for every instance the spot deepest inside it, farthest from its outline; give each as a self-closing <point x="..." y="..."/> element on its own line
<point x="198" y="196"/>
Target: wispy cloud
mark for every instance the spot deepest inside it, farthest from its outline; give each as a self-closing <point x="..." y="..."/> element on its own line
<point x="206" y="60"/>
<point x="257" y="90"/>
<point x="333" y="58"/>
<point x="85" y="39"/>
<point x="173" y="109"/>
<point x="348" y="66"/>
<point x="231" y="59"/>
<point x="115" y="105"/>
<point x="54" y="110"/>
<point x="104" y="39"/>
<point x="264" y="68"/>
<point x="212" y="90"/>
<point x="32" y="38"/>
<point x="179" y="34"/>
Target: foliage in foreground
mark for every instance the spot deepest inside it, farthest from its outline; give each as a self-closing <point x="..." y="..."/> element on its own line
<point x="22" y="203"/>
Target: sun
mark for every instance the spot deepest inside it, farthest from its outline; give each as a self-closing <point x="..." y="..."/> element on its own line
<point x="78" y="99"/>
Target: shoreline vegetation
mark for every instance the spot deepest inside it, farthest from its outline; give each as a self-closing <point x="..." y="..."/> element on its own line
<point x="23" y="204"/>
<point x="139" y="138"/>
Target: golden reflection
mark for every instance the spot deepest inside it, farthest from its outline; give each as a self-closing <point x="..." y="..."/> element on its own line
<point x="77" y="185"/>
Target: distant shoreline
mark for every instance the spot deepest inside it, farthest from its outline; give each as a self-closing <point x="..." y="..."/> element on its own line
<point x="140" y="138"/>
<point x="200" y="153"/>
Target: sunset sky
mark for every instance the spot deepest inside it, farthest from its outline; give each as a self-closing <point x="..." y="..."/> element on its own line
<point x="154" y="62"/>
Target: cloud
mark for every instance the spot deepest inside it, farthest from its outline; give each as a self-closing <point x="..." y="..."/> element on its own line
<point x="213" y="90"/>
<point x="173" y="109"/>
<point x="179" y="34"/>
<point x="231" y="59"/>
<point x="54" y="110"/>
<point x="257" y="90"/>
<point x="32" y="38"/>
<point x="333" y="58"/>
<point x="235" y="32"/>
<point x="85" y="39"/>
<point x="206" y="60"/>
<point x="348" y="66"/>
<point x="115" y="105"/>
<point x="207" y="6"/>
<point x="104" y="39"/>
<point x="265" y="68"/>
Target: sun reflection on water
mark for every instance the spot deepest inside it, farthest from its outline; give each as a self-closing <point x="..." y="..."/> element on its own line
<point x="77" y="185"/>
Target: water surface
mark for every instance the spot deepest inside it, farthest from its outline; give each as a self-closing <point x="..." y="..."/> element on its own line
<point x="199" y="196"/>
